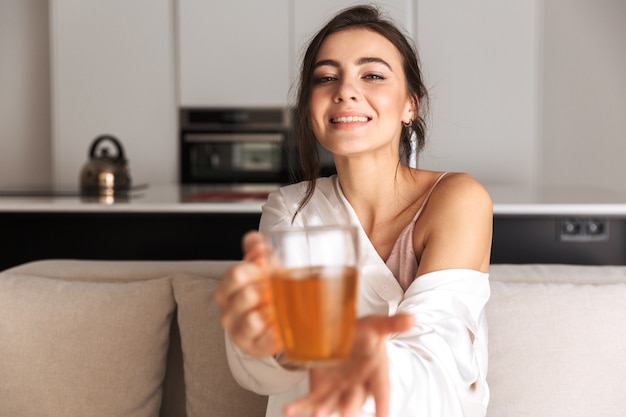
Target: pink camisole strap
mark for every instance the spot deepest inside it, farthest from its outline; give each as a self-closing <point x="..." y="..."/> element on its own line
<point x="402" y="261"/>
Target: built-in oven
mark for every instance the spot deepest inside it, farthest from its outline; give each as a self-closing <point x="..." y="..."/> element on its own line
<point x="236" y="145"/>
<point x="241" y="145"/>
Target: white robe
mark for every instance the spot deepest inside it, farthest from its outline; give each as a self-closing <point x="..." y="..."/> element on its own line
<point x="435" y="368"/>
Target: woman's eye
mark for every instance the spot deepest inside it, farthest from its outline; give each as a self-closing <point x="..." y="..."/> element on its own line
<point x="374" y="77"/>
<point x="325" y="79"/>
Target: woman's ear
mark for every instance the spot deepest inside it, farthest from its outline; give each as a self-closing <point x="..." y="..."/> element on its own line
<point x="411" y="110"/>
<point x="415" y="106"/>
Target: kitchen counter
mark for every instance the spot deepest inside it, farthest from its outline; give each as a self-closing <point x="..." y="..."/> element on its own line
<point x="550" y="225"/>
<point x="508" y="200"/>
<point x="149" y="199"/>
<point x="165" y="222"/>
<point x="511" y="200"/>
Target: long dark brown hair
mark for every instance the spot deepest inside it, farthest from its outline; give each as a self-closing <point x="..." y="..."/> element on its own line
<point x="366" y="17"/>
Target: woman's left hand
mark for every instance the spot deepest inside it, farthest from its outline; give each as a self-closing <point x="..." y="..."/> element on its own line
<point x="344" y="387"/>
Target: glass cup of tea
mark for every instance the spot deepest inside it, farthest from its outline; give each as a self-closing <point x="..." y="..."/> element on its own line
<point x="314" y="283"/>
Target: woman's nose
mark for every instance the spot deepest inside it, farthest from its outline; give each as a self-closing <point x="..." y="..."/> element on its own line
<point x="346" y="91"/>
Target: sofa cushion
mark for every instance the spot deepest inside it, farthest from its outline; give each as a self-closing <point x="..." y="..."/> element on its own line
<point x="112" y="271"/>
<point x="71" y="348"/>
<point x="558" y="273"/>
<point x="211" y="388"/>
<point x="556" y="349"/>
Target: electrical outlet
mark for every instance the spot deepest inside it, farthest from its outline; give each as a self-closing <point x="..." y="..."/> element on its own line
<point x="583" y="229"/>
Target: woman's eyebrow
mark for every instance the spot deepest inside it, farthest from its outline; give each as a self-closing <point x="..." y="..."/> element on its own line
<point x="324" y="62"/>
<point x="376" y="60"/>
<point x="360" y="61"/>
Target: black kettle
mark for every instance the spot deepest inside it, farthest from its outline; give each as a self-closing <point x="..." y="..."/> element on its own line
<point x="105" y="174"/>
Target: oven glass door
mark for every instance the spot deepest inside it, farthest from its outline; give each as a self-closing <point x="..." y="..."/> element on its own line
<point x="226" y="157"/>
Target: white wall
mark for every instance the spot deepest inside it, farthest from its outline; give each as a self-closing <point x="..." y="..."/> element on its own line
<point x="24" y="94"/>
<point x="584" y="93"/>
<point x="221" y="64"/>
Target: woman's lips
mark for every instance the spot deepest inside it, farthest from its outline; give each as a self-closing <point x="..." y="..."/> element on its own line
<point x="350" y="119"/>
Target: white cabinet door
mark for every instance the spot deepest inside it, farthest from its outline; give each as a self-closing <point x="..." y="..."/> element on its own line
<point x="310" y="16"/>
<point x="233" y="53"/>
<point x="112" y="65"/>
<point x="481" y="61"/>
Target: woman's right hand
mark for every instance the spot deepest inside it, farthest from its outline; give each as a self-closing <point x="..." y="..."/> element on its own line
<point x="244" y="298"/>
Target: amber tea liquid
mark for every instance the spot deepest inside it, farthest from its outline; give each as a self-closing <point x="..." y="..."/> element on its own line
<point x="316" y="311"/>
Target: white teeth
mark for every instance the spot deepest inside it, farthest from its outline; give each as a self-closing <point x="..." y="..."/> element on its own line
<point x="350" y="119"/>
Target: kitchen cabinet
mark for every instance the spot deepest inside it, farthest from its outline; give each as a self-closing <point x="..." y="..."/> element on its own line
<point x="233" y="53"/>
<point x="120" y="70"/>
<point x="164" y="223"/>
<point x="482" y="64"/>
<point x="242" y="53"/>
<point x="122" y="235"/>
<point x="112" y="72"/>
<point x="217" y="235"/>
<point x="156" y="223"/>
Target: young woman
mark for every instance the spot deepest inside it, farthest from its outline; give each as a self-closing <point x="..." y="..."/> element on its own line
<point x="421" y="341"/>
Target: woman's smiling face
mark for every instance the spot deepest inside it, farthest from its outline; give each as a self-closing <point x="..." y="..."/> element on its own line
<point x="359" y="98"/>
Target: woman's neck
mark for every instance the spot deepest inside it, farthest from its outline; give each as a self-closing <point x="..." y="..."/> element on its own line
<point x="378" y="192"/>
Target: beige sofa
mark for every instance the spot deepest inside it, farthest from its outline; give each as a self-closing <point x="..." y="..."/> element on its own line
<point x="142" y="338"/>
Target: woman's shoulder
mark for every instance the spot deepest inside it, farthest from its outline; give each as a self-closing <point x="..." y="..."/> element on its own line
<point x="325" y="205"/>
<point x="457" y="195"/>
<point x="298" y="189"/>
<point x="291" y="195"/>
<point x="321" y="181"/>
<point x="461" y="187"/>
<point x="458" y="219"/>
